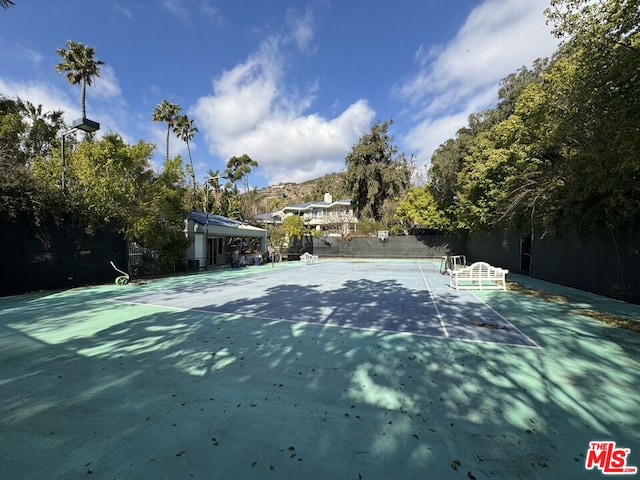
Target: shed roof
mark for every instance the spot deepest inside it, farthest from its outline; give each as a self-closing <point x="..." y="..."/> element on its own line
<point x="217" y="224"/>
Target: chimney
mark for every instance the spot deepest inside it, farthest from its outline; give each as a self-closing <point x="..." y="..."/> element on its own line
<point x="328" y="198"/>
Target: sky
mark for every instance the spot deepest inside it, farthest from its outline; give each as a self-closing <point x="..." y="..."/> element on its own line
<point x="294" y="84"/>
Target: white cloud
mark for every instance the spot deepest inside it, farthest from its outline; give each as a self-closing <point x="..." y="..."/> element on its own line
<point x="106" y="85"/>
<point x="124" y="11"/>
<point x="111" y="114"/>
<point x="302" y="32"/>
<point x="463" y="77"/>
<point x="208" y="9"/>
<point x="178" y="9"/>
<point x="39" y="94"/>
<point x="251" y="111"/>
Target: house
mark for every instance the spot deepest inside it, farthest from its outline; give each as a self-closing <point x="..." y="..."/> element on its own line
<point x="216" y="239"/>
<point x="333" y="218"/>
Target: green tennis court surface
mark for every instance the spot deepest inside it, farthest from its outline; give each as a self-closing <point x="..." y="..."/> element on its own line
<point x="392" y="297"/>
<point x="338" y="370"/>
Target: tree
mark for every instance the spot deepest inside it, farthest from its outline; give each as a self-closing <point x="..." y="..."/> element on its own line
<point x="43" y="128"/>
<point x="598" y="123"/>
<point x="6" y="3"/>
<point x="375" y="172"/>
<point x="167" y="112"/>
<point x="420" y="210"/>
<point x="80" y="66"/>
<point x="116" y="193"/>
<point x="159" y="218"/>
<point x="293" y="227"/>
<point x="590" y="24"/>
<point x="214" y="187"/>
<point x="186" y="131"/>
<point x="16" y="186"/>
<point x="332" y="183"/>
<point x="239" y="168"/>
<point x="237" y="171"/>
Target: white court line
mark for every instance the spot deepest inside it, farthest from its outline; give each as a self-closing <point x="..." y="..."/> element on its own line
<point x="508" y="322"/>
<point x="235" y="316"/>
<point x="520" y="332"/>
<point x="136" y="301"/>
<point x="433" y="300"/>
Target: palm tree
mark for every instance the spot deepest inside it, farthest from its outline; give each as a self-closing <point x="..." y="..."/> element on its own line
<point x="81" y="67"/>
<point x="186" y="132"/>
<point x="6" y="3"/>
<point x="42" y="129"/>
<point x="166" y="112"/>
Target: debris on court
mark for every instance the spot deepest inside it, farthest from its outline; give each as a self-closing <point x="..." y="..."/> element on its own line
<point x="609" y="319"/>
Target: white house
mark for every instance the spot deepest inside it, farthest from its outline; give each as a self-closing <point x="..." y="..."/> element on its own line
<point x="333" y="218"/>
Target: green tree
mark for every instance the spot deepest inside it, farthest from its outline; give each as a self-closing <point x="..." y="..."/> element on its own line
<point x="213" y="192"/>
<point x="166" y="112"/>
<point x="333" y="184"/>
<point x="420" y="210"/>
<point x="239" y="168"/>
<point x="80" y="65"/>
<point x="186" y="131"/>
<point x="6" y="3"/>
<point x="293" y="227"/>
<point x="159" y="217"/>
<point x="42" y="131"/>
<point x="16" y="184"/>
<point x="594" y="25"/>
<point x="125" y="173"/>
<point x="600" y="120"/>
<point x="375" y="172"/>
<point x="237" y="172"/>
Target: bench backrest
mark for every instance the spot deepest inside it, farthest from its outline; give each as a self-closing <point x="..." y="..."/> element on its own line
<point x="479" y="269"/>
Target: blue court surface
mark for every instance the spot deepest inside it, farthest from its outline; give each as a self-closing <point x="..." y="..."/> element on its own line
<point x="357" y="370"/>
<point x="400" y="297"/>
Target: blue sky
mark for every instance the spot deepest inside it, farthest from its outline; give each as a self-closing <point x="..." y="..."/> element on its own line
<point x="294" y="84"/>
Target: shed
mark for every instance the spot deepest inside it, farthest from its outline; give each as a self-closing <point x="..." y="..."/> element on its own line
<point x="215" y="238"/>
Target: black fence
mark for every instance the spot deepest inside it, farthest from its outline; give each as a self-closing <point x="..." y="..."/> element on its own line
<point x="423" y="246"/>
<point x="56" y="255"/>
<point x="62" y="255"/>
<point x="608" y="265"/>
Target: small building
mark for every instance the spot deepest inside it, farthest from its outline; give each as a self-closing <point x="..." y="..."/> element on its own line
<point x="333" y="218"/>
<point x="217" y="239"/>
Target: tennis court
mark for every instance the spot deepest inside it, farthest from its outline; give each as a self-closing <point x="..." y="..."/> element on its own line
<point x="396" y="297"/>
<point x="344" y="369"/>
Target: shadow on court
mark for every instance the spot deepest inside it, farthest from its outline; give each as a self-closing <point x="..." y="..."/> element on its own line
<point x="93" y="388"/>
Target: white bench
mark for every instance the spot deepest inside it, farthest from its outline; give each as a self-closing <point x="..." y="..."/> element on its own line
<point x="308" y="259"/>
<point x="478" y="276"/>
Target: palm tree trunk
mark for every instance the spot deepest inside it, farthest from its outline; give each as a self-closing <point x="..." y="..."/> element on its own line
<point x="168" y="131"/>
<point x="193" y="172"/>
<point x="83" y="98"/>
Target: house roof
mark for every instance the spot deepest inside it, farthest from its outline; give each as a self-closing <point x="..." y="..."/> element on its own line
<point x="310" y="205"/>
<point x="217" y="224"/>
